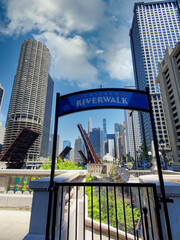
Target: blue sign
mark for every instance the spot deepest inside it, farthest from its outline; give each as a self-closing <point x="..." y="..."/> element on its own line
<point x="103" y="98"/>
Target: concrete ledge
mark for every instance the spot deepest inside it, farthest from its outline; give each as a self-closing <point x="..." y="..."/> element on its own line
<point x="16" y="201"/>
<point x="68" y="176"/>
<point x="104" y="228"/>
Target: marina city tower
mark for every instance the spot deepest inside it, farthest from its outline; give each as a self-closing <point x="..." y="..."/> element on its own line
<point x="28" y="99"/>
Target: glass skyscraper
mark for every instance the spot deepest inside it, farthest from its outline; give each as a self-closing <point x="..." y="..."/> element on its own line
<point x="96" y="138"/>
<point x="155" y="26"/>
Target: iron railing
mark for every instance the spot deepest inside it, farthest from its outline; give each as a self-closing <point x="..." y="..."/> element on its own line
<point x="105" y="211"/>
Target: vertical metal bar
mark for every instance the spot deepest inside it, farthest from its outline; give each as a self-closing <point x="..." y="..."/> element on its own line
<point x="115" y="202"/>
<point x="48" y="222"/>
<point x="149" y="207"/>
<point x="124" y="212"/>
<point x="60" y="227"/>
<point x="143" y="231"/>
<point x="76" y="211"/>
<point x="161" y="181"/>
<point x="158" y="219"/>
<point x="146" y="222"/>
<point x="68" y="213"/>
<point x="108" y="212"/>
<point x="100" y="212"/>
<point x="132" y="212"/>
<point x="84" y="215"/>
<point x="53" y="233"/>
<point x="92" y="211"/>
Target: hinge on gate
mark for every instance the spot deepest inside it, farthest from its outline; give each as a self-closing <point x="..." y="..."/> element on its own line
<point x="168" y="200"/>
<point x="52" y="188"/>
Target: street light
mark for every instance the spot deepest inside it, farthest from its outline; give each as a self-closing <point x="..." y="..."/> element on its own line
<point x="135" y="160"/>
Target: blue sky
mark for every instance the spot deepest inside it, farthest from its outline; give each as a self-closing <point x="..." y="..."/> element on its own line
<point x="89" y="43"/>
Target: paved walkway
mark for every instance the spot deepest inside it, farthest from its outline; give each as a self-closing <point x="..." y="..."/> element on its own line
<point x="14" y="224"/>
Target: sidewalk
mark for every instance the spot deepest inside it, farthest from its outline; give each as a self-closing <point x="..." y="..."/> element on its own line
<point x="14" y="224"/>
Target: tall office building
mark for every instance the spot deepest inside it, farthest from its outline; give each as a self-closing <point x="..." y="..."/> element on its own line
<point x="89" y="126"/>
<point x="104" y="129"/>
<point x="169" y="80"/>
<point x="77" y="147"/>
<point x="1" y="95"/>
<point x="155" y="26"/>
<point x="28" y="100"/>
<point x="133" y="134"/>
<point x="96" y="138"/>
<point x="47" y="119"/>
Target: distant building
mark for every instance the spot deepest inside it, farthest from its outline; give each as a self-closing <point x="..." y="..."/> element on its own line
<point x="104" y="129"/>
<point x="97" y="140"/>
<point x="77" y="147"/>
<point x="50" y="146"/>
<point x="89" y="126"/>
<point x="111" y="150"/>
<point x="129" y="122"/>
<point x="1" y="95"/>
<point x="67" y="143"/>
<point x="28" y="100"/>
<point x="169" y="80"/>
<point x="47" y="119"/>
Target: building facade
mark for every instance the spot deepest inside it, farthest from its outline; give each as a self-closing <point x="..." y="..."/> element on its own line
<point x="78" y="146"/>
<point x="89" y="126"/>
<point x="105" y="129"/>
<point x="1" y="94"/>
<point x="28" y="98"/>
<point x="155" y="26"/>
<point x="47" y="119"/>
<point x="169" y="81"/>
<point x="96" y="138"/>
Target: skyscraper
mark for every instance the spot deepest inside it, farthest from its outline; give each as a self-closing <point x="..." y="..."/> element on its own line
<point x="169" y="79"/>
<point x="155" y="26"/>
<point x="77" y="147"/>
<point x="1" y="95"/>
<point x="104" y="129"/>
<point x="97" y="140"/>
<point x="133" y="136"/>
<point x="89" y="126"/>
<point x="47" y="119"/>
<point x="28" y="100"/>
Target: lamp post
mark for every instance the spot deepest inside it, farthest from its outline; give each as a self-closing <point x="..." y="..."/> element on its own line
<point x="135" y="160"/>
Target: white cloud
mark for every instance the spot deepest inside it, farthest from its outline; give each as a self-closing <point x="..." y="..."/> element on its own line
<point x="71" y="59"/>
<point x="62" y="16"/>
<point x="119" y="63"/>
<point x="60" y="25"/>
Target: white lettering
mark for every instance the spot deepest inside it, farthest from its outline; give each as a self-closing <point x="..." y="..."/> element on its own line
<point x="100" y="100"/>
<point x="106" y="99"/>
<point x="78" y="103"/>
<point x="124" y="101"/>
<point x="113" y="100"/>
<point x="94" y="100"/>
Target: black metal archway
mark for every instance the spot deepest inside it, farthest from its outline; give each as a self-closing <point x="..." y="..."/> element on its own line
<point x="103" y="98"/>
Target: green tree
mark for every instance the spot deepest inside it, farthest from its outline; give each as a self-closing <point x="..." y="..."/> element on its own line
<point x="61" y="165"/>
<point x="143" y="153"/>
<point x="120" y="207"/>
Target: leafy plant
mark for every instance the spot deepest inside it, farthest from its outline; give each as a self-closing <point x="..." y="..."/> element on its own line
<point x="61" y="165"/>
